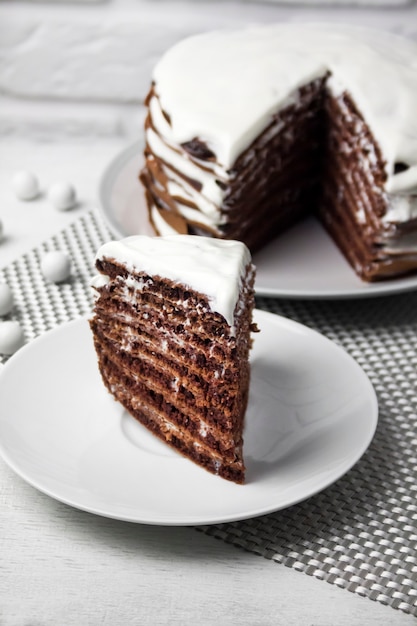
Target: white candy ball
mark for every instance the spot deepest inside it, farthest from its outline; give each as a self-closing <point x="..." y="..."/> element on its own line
<point x="25" y="185"/>
<point x="6" y="299"/>
<point x="56" y="266"/>
<point x="62" y="195"/>
<point x="11" y="337"/>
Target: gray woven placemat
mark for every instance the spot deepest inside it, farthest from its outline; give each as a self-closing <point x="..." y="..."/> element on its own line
<point x="360" y="533"/>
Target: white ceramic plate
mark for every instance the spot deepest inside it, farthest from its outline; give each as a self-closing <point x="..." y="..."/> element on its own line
<point x="302" y="263"/>
<point x="312" y="414"/>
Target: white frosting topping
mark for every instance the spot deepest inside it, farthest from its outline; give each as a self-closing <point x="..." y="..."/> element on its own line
<point x="208" y="212"/>
<point x="162" y="225"/>
<point x="160" y="149"/>
<point x="401" y="209"/>
<point x="210" y="266"/>
<point x="99" y="280"/>
<point x="223" y="87"/>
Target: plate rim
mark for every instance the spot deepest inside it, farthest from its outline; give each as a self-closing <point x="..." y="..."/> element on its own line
<point x="331" y="478"/>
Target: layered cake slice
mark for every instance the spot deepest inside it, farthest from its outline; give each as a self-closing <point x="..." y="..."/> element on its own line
<point x="171" y="328"/>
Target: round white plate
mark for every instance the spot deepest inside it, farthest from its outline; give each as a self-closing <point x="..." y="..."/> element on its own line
<point x="312" y="413"/>
<point x="302" y="263"/>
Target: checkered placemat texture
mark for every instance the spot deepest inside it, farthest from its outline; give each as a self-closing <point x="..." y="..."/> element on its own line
<point x="361" y="532"/>
<point x="41" y="305"/>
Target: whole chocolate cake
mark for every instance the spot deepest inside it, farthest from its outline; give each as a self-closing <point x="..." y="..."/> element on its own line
<point x="248" y="131"/>
<point x="171" y="328"/>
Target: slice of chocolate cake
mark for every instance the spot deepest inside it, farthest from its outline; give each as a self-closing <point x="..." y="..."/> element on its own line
<point x="171" y="328"/>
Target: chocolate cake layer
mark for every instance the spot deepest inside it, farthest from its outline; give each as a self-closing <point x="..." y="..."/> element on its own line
<point x="353" y="201"/>
<point x="175" y="363"/>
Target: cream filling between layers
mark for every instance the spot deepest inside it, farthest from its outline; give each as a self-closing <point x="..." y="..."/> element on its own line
<point x="162" y="226"/>
<point x="209" y="188"/>
<point x="401" y="209"/>
<point x="180" y="190"/>
<point x="168" y="426"/>
<point x="207" y="212"/>
<point x="126" y="340"/>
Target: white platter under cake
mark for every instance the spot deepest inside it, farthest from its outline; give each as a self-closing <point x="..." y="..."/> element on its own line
<point x="302" y="263"/>
<point x="312" y="414"/>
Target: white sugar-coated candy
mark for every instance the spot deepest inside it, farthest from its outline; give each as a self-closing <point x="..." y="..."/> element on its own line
<point x="25" y="185"/>
<point x="56" y="266"/>
<point x="11" y="337"/>
<point x="62" y="195"/>
<point x="6" y="299"/>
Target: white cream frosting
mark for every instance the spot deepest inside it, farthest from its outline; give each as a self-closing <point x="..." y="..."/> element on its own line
<point x="401" y="209"/>
<point x="262" y="66"/>
<point x="187" y="167"/>
<point x="210" y="266"/>
<point x="208" y="212"/>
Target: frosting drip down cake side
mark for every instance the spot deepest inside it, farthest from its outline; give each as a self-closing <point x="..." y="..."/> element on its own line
<point x="171" y="326"/>
<point x="248" y="131"/>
